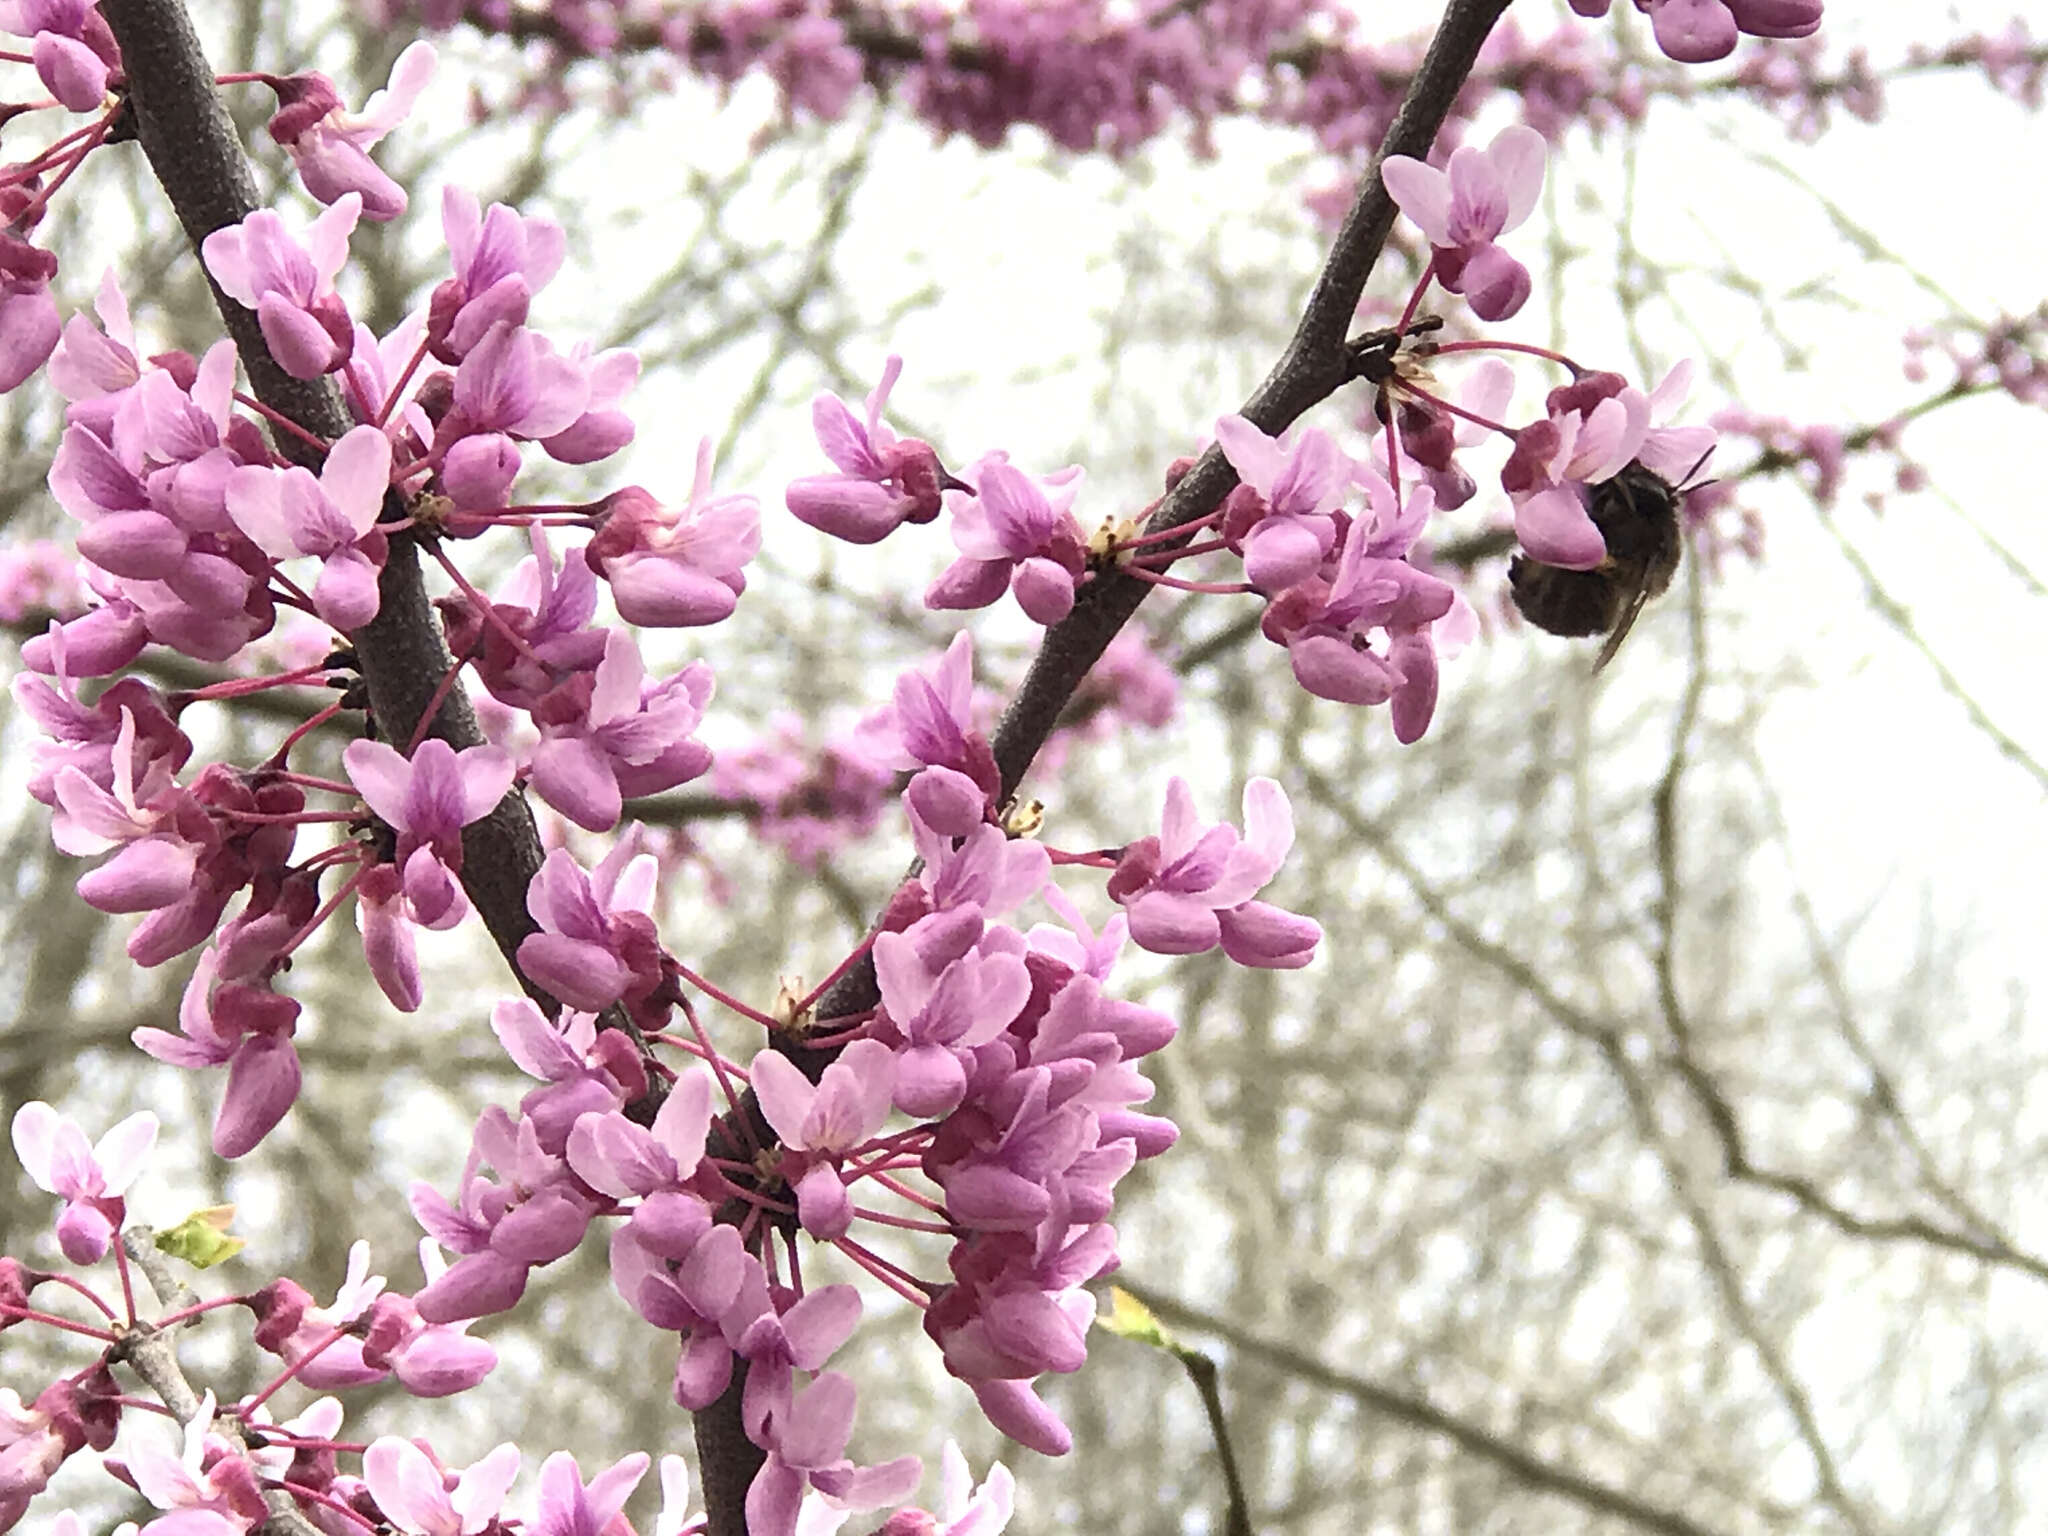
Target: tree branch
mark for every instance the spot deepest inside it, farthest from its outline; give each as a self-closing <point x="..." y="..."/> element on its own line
<point x="1410" y="1408"/>
<point x="195" y="154"/>
<point x="1314" y="365"/>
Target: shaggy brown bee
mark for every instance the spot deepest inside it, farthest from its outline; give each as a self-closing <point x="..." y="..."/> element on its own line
<point x="1637" y="514"/>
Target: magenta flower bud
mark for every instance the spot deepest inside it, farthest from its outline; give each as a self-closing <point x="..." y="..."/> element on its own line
<point x="94" y="644"/>
<point x="1495" y="284"/>
<point x="1260" y="934"/>
<point x="16" y="1281"/>
<point x="279" y="1307"/>
<point x="475" y="1286"/>
<point x="1045" y="590"/>
<point x="263" y="1084"/>
<point x="478" y="471"/>
<point x="439" y="1362"/>
<point x="1018" y="1412"/>
<point x="1777" y="18"/>
<point x="947" y="801"/>
<point x="1694" y="31"/>
<point x="29" y="328"/>
<point x="144" y="545"/>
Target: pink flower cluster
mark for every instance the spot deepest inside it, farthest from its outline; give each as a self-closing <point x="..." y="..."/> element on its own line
<point x="194" y="533"/>
<point x="228" y="1459"/>
<point x="1017" y="1072"/>
<point x="1103" y="78"/>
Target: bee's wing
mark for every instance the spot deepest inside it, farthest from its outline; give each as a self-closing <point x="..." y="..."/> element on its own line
<point x="1636" y="601"/>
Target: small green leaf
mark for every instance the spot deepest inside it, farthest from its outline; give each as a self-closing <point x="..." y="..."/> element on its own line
<point x="202" y="1239"/>
<point x="1130" y="1318"/>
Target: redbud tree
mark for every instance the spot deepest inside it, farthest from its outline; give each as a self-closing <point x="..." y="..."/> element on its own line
<point x="402" y="550"/>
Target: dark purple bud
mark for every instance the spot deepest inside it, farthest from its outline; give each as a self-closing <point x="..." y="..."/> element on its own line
<point x="1535" y="444"/>
<point x="279" y="1307"/>
<point x="1583" y="393"/>
<point x="302" y="101"/>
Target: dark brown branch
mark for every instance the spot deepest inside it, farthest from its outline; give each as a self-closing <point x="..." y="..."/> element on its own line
<point x="196" y="156"/>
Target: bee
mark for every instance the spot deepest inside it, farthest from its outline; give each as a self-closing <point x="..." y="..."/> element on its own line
<point x="1637" y="514"/>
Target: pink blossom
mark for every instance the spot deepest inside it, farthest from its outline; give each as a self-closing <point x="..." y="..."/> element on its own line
<point x="89" y="363"/>
<point x="806" y="1448"/>
<point x="386" y="917"/>
<point x="330" y="145"/>
<point x="686" y="1276"/>
<point x="586" y="1070"/>
<point x="501" y="260"/>
<point x="613" y="733"/>
<point x="934" y="709"/>
<point x="941" y="1009"/>
<point x="138" y="800"/>
<point x="883" y="482"/>
<point x="840" y="1111"/>
<point x="827" y="1120"/>
<point x="73" y="48"/>
<point x="414" y="1496"/>
<point x="571" y="1507"/>
<point x="289" y="285"/>
<point x="673" y="566"/>
<point x="1299" y="485"/>
<point x="91" y="1177"/>
<point x="514" y="382"/>
<point x="286" y="512"/>
<point x="1016" y="533"/>
<point x="603" y="429"/>
<point x="549" y="608"/>
<point x="1463" y="210"/>
<point x="597" y="939"/>
<point x="429" y="1359"/>
<point x="965" y="1510"/>
<point x="427" y="800"/>
<point x="247" y="1028"/>
<point x="295" y="1329"/>
<point x="618" y="1158"/>
<point x="986" y="871"/>
<point x="1190" y="888"/>
<point x="1326" y="624"/>
<point x="1674" y="452"/>
<point x="211" y="1490"/>
<point x="1593" y="428"/>
<point x="533" y="1214"/>
<point x="777" y="1343"/>
<point x="28" y="314"/>
<point x="1700" y="31"/>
